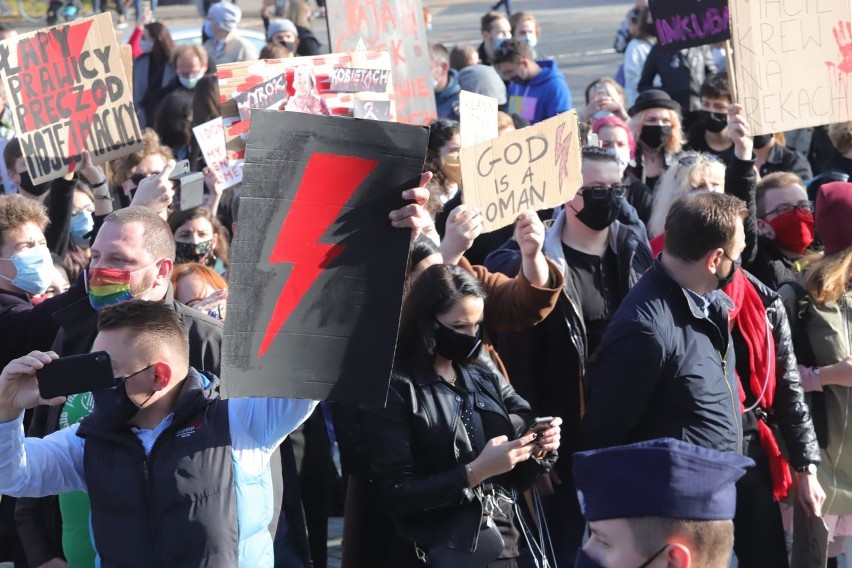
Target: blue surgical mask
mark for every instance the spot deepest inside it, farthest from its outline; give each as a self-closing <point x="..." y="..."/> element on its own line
<point x="189" y="82"/>
<point x="81" y="225"/>
<point x="530" y="39"/>
<point x="34" y="270"/>
<point x="146" y="45"/>
<point x="498" y="42"/>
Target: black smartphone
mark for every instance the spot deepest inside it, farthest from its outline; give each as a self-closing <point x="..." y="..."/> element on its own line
<point x="75" y="374"/>
<point x="540" y="423"/>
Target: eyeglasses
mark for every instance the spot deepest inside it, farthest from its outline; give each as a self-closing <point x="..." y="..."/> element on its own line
<point x="804" y="206"/>
<point x="602" y="191"/>
<point x="693" y="159"/>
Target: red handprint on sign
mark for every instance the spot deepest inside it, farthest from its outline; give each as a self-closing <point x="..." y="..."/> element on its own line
<point x="843" y="37"/>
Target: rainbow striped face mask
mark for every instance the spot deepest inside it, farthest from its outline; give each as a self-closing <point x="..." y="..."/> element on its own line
<point x="109" y="286"/>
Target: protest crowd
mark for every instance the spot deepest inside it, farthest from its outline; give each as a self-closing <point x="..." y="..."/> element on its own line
<point x="655" y="371"/>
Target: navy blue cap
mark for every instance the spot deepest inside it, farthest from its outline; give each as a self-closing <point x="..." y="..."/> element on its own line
<point x="658" y="478"/>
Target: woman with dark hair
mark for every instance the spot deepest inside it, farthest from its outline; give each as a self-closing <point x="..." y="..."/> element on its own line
<point x="453" y="449"/>
<point x="205" y="107"/>
<point x="442" y="159"/>
<point x="200" y="237"/>
<point x="174" y="122"/>
<point x="153" y="69"/>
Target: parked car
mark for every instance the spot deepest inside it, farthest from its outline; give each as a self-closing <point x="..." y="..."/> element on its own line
<point x="191" y="33"/>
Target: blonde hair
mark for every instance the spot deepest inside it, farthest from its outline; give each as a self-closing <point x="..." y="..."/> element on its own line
<point x="827" y="275"/>
<point x="841" y="136"/>
<point x="677" y="181"/>
<point x="710" y="542"/>
<point x="675" y="143"/>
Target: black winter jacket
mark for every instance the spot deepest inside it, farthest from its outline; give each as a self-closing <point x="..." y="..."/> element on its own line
<point x="546" y="363"/>
<point x="664" y="370"/>
<point x="419" y="448"/>
<point x="790" y="411"/>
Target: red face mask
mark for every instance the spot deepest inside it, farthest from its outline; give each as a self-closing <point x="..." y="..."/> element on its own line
<point x="794" y="230"/>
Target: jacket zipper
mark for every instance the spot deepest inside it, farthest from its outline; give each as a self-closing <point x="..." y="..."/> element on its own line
<point x="149" y="494"/>
<point x="734" y="406"/>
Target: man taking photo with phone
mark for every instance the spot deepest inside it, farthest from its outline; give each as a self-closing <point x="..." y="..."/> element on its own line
<point x="175" y="475"/>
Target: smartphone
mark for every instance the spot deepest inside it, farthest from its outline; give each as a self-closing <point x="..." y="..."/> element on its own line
<point x="75" y="374"/>
<point x="540" y="424"/>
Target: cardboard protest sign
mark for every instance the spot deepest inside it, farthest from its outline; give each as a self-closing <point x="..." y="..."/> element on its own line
<point x="689" y="23"/>
<point x="373" y="110"/>
<point x="68" y="92"/>
<point x="253" y="84"/>
<point x="317" y="271"/>
<point x="533" y="168"/>
<point x="348" y="80"/>
<point x="810" y="539"/>
<point x="211" y="141"/>
<point x="265" y="95"/>
<point x="793" y="62"/>
<point x="395" y="26"/>
<point x="477" y="118"/>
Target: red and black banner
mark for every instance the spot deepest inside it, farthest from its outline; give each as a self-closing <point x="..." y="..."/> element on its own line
<point x="317" y="271"/>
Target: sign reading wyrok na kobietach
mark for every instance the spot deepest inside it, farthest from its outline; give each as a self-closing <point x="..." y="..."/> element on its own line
<point x="533" y="168"/>
<point x="67" y="90"/>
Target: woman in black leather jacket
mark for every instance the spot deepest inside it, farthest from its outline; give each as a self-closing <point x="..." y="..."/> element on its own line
<point x="446" y="449"/>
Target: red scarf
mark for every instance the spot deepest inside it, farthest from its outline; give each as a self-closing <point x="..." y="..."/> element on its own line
<point x="749" y="314"/>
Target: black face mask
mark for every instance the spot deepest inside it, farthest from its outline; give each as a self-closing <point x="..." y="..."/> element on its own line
<point x="762" y="140"/>
<point x="714" y="122"/>
<point x="291" y="46"/>
<point x="114" y="402"/>
<point x="33" y="189"/>
<point x="598" y="214"/>
<point x="585" y="561"/>
<point x="655" y="136"/>
<point x="455" y="346"/>
<point x="725" y="280"/>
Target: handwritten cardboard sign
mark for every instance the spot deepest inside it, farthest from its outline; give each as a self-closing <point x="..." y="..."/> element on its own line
<point x="211" y="140"/>
<point x="689" y="23"/>
<point x="349" y="80"/>
<point x="793" y="62"/>
<point x="317" y="271"/>
<point x="68" y="92"/>
<point x="477" y="118"/>
<point x="235" y="79"/>
<point x="266" y="95"/>
<point x="533" y="168"/>
<point x="395" y="26"/>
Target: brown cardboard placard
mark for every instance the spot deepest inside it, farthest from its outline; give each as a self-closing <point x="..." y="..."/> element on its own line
<point x="810" y="539"/>
<point x="395" y="26"/>
<point x="67" y="89"/>
<point x="238" y="78"/>
<point x="533" y="168"/>
<point x="477" y="118"/>
<point x="792" y="70"/>
<point x="127" y="63"/>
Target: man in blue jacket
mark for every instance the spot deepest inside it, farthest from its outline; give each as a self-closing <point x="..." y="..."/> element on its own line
<point x="538" y="90"/>
<point x="665" y="366"/>
<point x="175" y="475"/>
<point x="445" y="82"/>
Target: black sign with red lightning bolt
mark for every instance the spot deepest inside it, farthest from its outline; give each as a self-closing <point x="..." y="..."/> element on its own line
<point x="317" y="271"/>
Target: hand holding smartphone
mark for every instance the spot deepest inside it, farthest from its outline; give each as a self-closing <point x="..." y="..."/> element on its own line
<point x="75" y="374"/>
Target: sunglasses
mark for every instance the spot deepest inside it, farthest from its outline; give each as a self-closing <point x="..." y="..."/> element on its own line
<point x="603" y="191"/>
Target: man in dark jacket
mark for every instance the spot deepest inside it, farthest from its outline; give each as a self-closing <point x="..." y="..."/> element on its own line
<point x="138" y="243"/>
<point x="665" y="365"/>
<point x="602" y="250"/>
<point x="161" y="417"/>
<point x="445" y="82"/>
<point x="495" y="29"/>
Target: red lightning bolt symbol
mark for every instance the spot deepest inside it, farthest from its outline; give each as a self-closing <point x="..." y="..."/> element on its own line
<point x="48" y="74"/>
<point x="560" y="156"/>
<point x="327" y="184"/>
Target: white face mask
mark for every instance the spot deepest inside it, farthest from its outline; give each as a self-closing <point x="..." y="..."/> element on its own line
<point x="189" y="82"/>
<point x="622" y="154"/>
<point x="531" y="39"/>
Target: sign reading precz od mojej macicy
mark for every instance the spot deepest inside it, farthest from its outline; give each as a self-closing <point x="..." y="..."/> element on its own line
<point x="68" y="92"/>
